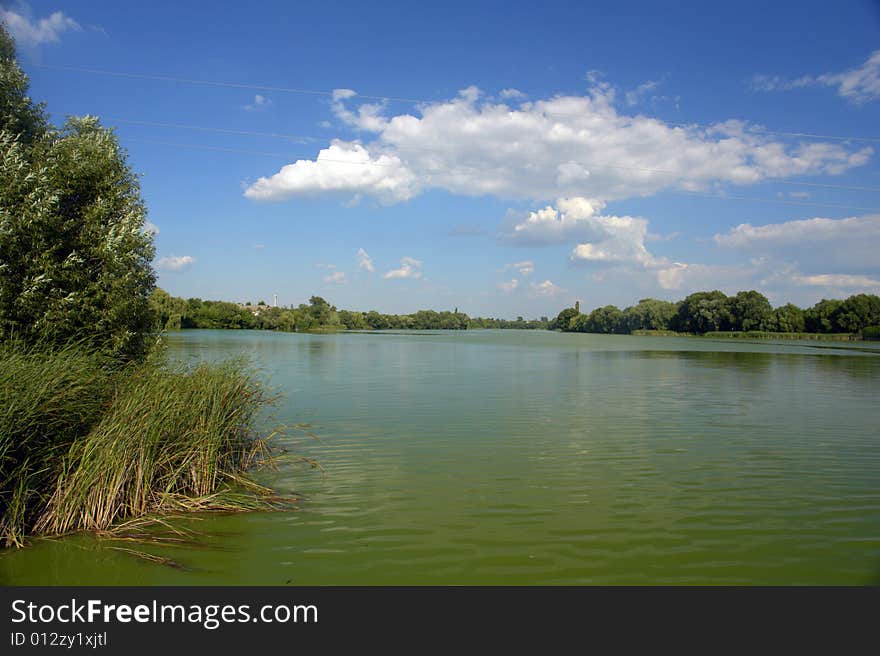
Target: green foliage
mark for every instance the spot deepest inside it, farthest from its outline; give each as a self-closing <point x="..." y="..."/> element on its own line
<point x="19" y="116"/>
<point x="85" y="442"/>
<point x="564" y="319"/>
<point x="702" y="312"/>
<point x="749" y="313"/>
<point x="74" y="255"/>
<point x="649" y="314"/>
<point x="47" y="401"/>
<point x="787" y="318"/>
<point x="820" y="317"/>
<point x="871" y="333"/>
<point x="607" y="320"/>
<point x="171" y="439"/>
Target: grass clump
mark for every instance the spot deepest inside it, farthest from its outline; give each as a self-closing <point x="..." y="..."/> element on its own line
<point x="85" y="445"/>
<point x="46" y="403"/>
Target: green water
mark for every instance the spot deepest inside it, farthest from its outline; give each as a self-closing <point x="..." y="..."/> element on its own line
<point x="513" y="457"/>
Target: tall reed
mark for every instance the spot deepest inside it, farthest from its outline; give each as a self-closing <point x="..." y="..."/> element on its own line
<point x="47" y="401"/>
<point x="171" y="439"/>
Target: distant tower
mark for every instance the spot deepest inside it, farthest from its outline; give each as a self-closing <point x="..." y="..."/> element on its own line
<point x="274" y="300"/>
<point x="577" y="307"/>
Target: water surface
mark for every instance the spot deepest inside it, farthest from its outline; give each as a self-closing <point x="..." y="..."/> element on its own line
<point x="514" y="457"/>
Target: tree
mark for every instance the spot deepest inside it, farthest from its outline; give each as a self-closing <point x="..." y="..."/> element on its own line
<point x="749" y="311"/>
<point x="20" y="117"/>
<point x="649" y="314"/>
<point x="564" y="318"/>
<point x="703" y="312"/>
<point x="820" y="317"/>
<point x="857" y="312"/>
<point x="786" y="319"/>
<point x="74" y="254"/>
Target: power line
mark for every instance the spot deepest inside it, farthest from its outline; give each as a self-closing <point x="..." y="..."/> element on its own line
<point x="775" y="201"/>
<point x="326" y="160"/>
<point x="213" y="83"/>
<point x="249" y="133"/>
<point x="438" y="150"/>
<point x="323" y="92"/>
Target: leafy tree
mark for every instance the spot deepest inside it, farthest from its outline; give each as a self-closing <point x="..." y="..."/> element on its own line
<point x="857" y="312"/>
<point x="649" y="314"/>
<point x="20" y="117"/>
<point x="749" y="311"/>
<point x="702" y="312"/>
<point x="74" y="255"/>
<point x="786" y="319"/>
<point x="820" y="317"/>
<point x="564" y="318"/>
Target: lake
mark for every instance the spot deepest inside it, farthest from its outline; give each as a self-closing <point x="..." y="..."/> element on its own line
<point x="517" y="457"/>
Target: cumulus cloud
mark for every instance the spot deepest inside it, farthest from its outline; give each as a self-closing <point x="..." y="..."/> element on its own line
<point x="564" y="146"/>
<point x="175" y="263"/>
<point x="409" y="268"/>
<point x="365" y="262"/>
<point x="858" y="85"/>
<point x="545" y="289"/>
<point x="337" y="278"/>
<point x="602" y="238"/>
<point x="508" y="286"/>
<point x="30" y="33"/>
<point x="344" y="167"/>
<point x="260" y="102"/>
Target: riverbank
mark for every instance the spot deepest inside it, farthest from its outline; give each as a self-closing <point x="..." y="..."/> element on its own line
<point x="86" y="442"/>
<point x="754" y="334"/>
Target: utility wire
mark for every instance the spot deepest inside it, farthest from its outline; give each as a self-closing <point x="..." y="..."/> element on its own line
<point x="441" y="151"/>
<point x="327" y="160"/>
<point x="319" y="92"/>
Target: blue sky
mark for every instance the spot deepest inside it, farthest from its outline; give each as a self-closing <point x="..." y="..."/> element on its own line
<point x="505" y="158"/>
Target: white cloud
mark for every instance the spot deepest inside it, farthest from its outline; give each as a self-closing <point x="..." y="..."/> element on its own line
<point x="260" y="102"/>
<point x="322" y="265"/>
<point x="337" y="277"/>
<point x="545" y="289"/>
<point x="687" y="278"/>
<point x="606" y="239"/>
<point x="851" y="244"/>
<point x="410" y="268"/>
<point x="512" y="94"/>
<point x="573" y="220"/>
<point x="576" y="145"/>
<point x="29" y="33"/>
<point x="817" y="230"/>
<point x="343" y="167"/>
<point x="635" y="96"/>
<point x="508" y="286"/>
<point x="151" y="228"/>
<point x="365" y="262"/>
<point x="525" y="268"/>
<point x="839" y="281"/>
<point x="858" y="85"/>
<point x="175" y="263"/>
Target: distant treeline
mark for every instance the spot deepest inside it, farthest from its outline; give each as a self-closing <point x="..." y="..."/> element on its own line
<point x="174" y="313"/>
<point x="709" y="312"/>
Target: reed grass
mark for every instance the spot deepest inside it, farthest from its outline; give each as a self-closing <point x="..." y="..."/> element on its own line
<point x="85" y="445"/>
<point x="46" y="403"/>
